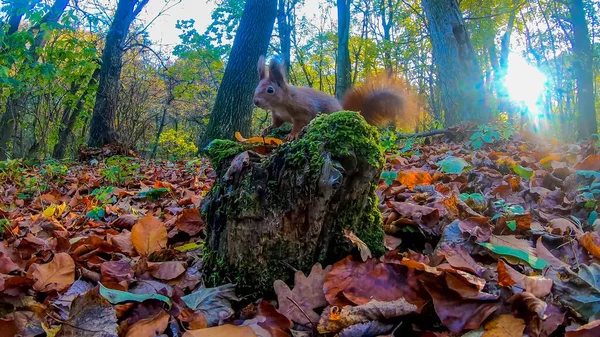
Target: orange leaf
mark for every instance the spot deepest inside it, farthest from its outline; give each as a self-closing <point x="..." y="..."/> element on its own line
<point x="547" y="160"/>
<point x="504" y="326"/>
<point x="504" y="278"/>
<point x="591" y="242"/>
<point x="591" y="163"/>
<point x="414" y="177"/>
<point x="239" y="137"/>
<point x="149" y="235"/>
<point x="153" y="326"/>
<point x="57" y="275"/>
<point x="226" y="330"/>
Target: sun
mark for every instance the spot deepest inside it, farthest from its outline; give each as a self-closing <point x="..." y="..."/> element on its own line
<point x="524" y="82"/>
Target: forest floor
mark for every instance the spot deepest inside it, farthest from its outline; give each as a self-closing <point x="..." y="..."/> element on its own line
<point x="502" y="240"/>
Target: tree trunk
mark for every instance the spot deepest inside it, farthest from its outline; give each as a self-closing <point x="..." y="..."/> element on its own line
<point x="460" y="77"/>
<point x="267" y="215"/>
<point x="233" y="106"/>
<point x="102" y="128"/>
<point x="14" y="103"/>
<point x="70" y="118"/>
<point x="583" y="69"/>
<point x="343" y="69"/>
<point x="170" y="98"/>
<point x="285" y="25"/>
<point x="387" y="20"/>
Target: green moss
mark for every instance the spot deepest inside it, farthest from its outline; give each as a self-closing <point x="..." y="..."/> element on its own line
<point x="222" y="151"/>
<point x="346" y="133"/>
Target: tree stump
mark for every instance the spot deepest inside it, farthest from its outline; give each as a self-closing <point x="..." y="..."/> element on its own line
<point x="268" y="215"/>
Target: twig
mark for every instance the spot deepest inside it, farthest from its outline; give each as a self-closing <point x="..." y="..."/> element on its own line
<point x="425" y="134"/>
<point x="302" y="310"/>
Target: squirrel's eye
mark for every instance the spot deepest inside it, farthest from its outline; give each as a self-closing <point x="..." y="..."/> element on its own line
<point x="270" y="90"/>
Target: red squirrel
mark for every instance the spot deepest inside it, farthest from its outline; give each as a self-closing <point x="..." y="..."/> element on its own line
<point x="381" y="100"/>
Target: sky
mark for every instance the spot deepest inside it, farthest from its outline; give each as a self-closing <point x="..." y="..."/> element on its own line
<point x="163" y="31"/>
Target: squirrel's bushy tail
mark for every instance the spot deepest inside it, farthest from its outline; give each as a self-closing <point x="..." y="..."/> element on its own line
<point x="382" y="100"/>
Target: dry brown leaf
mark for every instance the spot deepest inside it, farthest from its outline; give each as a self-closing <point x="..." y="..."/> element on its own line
<point x="190" y="221"/>
<point x="539" y="286"/>
<point x="504" y="326"/>
<point x="591" y="329"/>
<point x="544" y="253"/>
<point x="57" y="275"/>
<point x="332" y="321"/>
<point x="414" y="177"/>
<point x="365" y="252"/>
<point x="150" y="327"/>
<point x="307" y="293"/>
<point x="167" y="271"/>
<point x="591" y="242"/>
<point x="459" y="258"/>
<point x="590" y="163"/>
<point x="149" y="235"/>
<point x="226" y="330"/>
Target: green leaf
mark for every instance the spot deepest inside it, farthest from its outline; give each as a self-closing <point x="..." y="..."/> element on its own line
<point x="117" y="296"/>
<point x="154" y="193"/>
<point x="524" y="172"/>
<point x="189" y="246"/>
<point x="4" y="71"/>
<point x="453" y="165"/>
<point x="515" y="210"/>
<point x="512" y="224"/>
<point x="533" y="261"/>
<point x="477" y="144"/>
<point x="593" y="217"/>
<point x="476" y="135"/>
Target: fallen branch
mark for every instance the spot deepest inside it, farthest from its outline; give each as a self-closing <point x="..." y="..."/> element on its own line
<point x="425" y="134"/>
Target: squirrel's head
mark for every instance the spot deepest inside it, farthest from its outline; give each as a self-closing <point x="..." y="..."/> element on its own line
<point x="272" y="90"/>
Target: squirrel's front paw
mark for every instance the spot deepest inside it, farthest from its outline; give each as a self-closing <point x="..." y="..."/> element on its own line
<point x="266" y="131"/>
<point x="291" y="136"/>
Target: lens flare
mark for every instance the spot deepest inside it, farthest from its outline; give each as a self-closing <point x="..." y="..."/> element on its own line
<point x="524" y="83"/>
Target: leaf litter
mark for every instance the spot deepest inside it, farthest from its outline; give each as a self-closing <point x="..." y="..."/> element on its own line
<point x="499" y="239"/>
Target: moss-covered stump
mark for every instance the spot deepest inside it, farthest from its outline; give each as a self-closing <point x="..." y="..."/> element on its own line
<point x="268" y="215"/>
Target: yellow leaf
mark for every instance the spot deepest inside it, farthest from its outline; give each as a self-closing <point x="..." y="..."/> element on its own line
<point x="148" y="235"/>
<point x="504" y="326"/>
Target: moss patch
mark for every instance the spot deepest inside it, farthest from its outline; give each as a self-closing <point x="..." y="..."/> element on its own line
<point x="222" y="151"/>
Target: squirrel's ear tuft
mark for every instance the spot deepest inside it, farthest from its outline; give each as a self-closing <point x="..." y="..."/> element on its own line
<point x="276" y="73"/>
<point x="262" y="72"/>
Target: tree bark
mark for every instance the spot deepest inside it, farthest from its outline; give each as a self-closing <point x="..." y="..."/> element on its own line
<point x="583" y="69"/>
<point x="266" y="216"/>
<point x="170" y="98"/>
<point x="102" y="128"/>
<point x="460" y="77"/>
<point x="285" y="25"/>
<point x="343" y="66"/>
<point x="14" y="103"/>
<point x="233" y="106"/>
<point x="70" y="118"/>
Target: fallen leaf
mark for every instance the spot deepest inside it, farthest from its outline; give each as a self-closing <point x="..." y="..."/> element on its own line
<point x="545" y="254"/>
<point x="590" y="163"/>
<point x="226" y="330"/>
<point x="190" y="222"/>
<point x="215" y="303"/>
<point x="365" y="252"/>
<point x="117" y="296"/>
<point x="355" y="282"/>
<point x="459" y="258"/>
<point x="373" y="328"/>
<point x="533" y="261"/>
<point x="57" y="275"/>
<point x="573" y="291"/>
<point x="149" y="327"/>
<point x="167" y="271"/>
<point x="116" y="272"/>
<point x="307" y="294"/>
<point x="591" y="242"/>
<point x="414" y="177"/>
<point x="91" y="316"/>
<point x="591" y="329"/>
<point x="372" y="311"/>
<point x="149" y="235"/>
<point x="539" y="286"/>
<point x="453" y="165"/>
<point x="504" y="326"/>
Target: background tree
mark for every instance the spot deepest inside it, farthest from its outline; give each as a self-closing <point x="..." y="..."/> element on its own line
<point x="102" y="129"/>
<point x="343" y="74"/>
<point x="233" y="106"/>
<point x="459" y="75"/>
<point x="582" y="64"/>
